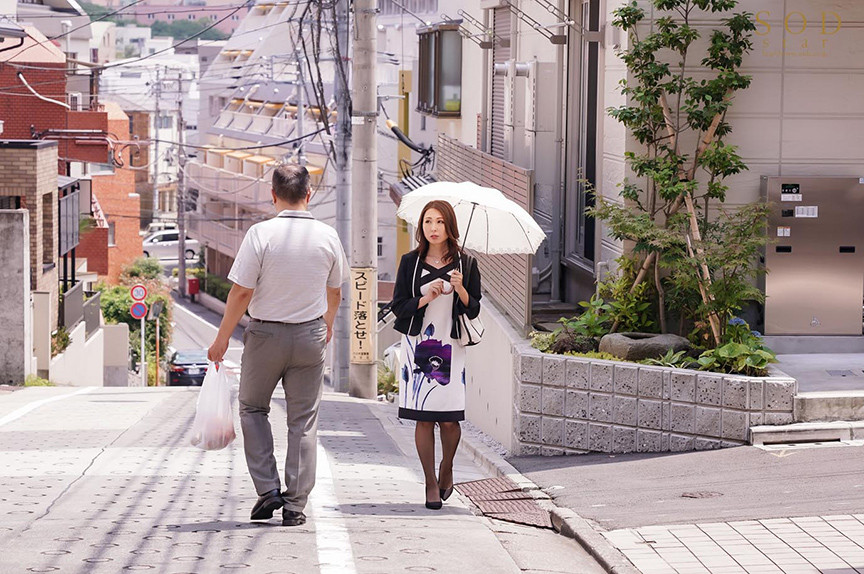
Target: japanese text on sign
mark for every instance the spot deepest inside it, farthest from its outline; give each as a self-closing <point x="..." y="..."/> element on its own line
<point x="364" y="293"/>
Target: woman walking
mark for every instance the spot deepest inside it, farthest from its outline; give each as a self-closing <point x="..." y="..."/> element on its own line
<point x="435" y="284"/>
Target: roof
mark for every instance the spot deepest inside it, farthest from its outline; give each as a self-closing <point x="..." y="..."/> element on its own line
<point x="64" y="181"/>
<point x="260" y="159"/>
<point x="239" y="154"/>
<point x="35" y="49"/>
<point x="128" y="105"/>
<point x="115" y="111"/>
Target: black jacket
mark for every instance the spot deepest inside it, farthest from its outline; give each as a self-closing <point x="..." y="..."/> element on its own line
<point x="406" y="295"/>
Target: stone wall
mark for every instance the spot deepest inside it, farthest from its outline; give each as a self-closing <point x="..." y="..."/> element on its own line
<point x="573" y="405"/>
<point x="16" y="342"/>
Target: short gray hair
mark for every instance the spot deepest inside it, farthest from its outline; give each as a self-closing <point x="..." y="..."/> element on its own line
<point x="291" y="182"/>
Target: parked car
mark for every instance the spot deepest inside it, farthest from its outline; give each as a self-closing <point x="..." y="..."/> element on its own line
<point x="155" y="226"/>
<point x="187" y="368"/>
<point x="163" y="245"/>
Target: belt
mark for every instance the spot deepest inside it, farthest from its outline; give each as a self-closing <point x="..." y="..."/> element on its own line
<point x="254" y="320"/>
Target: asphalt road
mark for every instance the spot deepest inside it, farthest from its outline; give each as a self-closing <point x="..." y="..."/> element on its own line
<point x="629" y="491"/>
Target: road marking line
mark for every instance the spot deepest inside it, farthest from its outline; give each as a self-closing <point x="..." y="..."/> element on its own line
<point x="332" y="543"/>
<point x="18" y="413"/>
<point x="178" y="306"/>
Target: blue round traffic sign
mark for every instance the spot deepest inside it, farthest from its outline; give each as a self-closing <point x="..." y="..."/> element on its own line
<point x="138" y="310"/>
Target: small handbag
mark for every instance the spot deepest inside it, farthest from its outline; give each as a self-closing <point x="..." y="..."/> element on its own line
<point x="470" y="330"/>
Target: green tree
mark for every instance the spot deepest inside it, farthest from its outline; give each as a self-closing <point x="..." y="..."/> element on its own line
<point x="181" y="29"/>
<point x="699" y="257"/>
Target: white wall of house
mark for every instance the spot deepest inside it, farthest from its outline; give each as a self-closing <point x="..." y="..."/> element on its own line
<point x="81" y="364"/>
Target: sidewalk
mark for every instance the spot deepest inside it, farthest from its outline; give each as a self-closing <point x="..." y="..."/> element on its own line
<point x="734" y="511"/>
<point x="105" y="481"/>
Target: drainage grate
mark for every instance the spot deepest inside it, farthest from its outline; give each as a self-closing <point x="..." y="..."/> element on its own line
<point x="502" y="498"/>
<point x="835" y="373"/>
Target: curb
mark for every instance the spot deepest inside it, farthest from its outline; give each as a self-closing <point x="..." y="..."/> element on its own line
<point x="566" y="522"/>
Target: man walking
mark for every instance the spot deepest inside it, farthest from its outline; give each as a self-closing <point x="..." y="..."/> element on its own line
<point x="288" y="273"/>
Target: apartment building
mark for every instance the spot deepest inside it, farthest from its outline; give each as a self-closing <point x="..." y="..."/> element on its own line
<point x="253" y="116"/>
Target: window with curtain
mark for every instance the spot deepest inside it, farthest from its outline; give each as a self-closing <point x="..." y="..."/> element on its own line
<point x="440" y="73"/>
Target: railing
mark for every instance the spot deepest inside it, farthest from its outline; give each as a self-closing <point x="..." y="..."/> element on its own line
<point x="92" y="312"/>
<point x="68" y="222"/>
<point x="214" y="234"/>
<point x="228" y="186"/>
<point x="72" y="306"/>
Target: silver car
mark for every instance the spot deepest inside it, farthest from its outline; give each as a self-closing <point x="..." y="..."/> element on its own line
<point x="165" y="244"/>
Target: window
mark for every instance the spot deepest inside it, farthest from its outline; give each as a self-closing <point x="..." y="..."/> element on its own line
<point x="380" y="246"/>
<point x="165" y="122"/>
<point x="214" y="17"/>
<point x="111" y="233"/>
<point x="170" y="16"/>
<point x="150" y="16"/>
<point x="10" y="202"/>
<point x="440" y="79"/>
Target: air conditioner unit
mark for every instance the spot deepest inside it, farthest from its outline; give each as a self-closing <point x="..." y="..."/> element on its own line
<point x="76" y="101"/>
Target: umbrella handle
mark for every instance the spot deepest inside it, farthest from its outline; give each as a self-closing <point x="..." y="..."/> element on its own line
<point x="471" y="218"/>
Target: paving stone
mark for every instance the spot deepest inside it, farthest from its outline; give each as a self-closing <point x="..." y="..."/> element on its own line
<point x="576" y="435"/>
<point x="600" y="438"/>
<point x="530" y="398"/>
<point x="576" y="405"/>
<point x="553" y="401"/>
<point x="624" y="411"/>
<point x="554" y="371"/>
<point x="626" y="380"/>
<point x="708" y="422"/>
<point x="735" y="393"/>
<point x="530" y="368"/>
<point x="577" y="373"/>
<point x="600" y="408"/>
<point x="650" y="414"/>
<point x="650" y="383"/>
<point x="601" y="377"/>
<point x="709" y="389"/>
<point x="683" y="387"/>
<point x="553" y="431"/>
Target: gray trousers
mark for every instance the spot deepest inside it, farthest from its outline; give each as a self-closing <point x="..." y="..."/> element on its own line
<point x="293" y="353"/>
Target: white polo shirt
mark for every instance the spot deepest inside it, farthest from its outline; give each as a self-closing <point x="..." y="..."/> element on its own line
<point x="289" y="261"/>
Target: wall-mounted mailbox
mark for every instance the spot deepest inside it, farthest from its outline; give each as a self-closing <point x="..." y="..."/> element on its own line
<point x="815" y="281"/>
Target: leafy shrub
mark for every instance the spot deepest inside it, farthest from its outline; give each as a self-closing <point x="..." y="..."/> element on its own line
<point x="679" y="360"/>
<point x="217" y="287"/>
<point x="143" y="268"/>
<point x="386" y="380"/>
<point x="59" y="341"/>
<point x="594" y="321"/>
<point x="743" y="352"/>
<point x="34" y="381"/>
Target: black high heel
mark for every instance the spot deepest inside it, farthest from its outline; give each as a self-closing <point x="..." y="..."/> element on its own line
<point x="437" y="505"/>
<point x="446" y="492"/>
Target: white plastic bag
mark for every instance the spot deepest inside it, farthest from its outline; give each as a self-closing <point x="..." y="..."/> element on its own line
<point x="213" y="428"/>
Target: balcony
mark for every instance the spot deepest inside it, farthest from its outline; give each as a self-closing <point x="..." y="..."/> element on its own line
<point x="214" y="234"/>
<point x="228" y="186"/>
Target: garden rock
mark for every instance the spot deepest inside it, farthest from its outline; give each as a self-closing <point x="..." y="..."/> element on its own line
<point x="639" y="346"/>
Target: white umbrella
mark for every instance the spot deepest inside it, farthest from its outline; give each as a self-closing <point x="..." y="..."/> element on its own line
<point x="488" y="221"/>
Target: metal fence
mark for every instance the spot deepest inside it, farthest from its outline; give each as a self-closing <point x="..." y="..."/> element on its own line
<point x="92" y="312"/>
<point x="70" y="214"/>
<point x="72" y="307"/>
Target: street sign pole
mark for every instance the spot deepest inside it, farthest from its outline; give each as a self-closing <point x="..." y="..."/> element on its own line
<point x="157" y="350"/>
<point x="143" y="364"/>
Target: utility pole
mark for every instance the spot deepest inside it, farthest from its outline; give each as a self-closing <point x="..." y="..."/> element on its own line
<point x="301" y="109"/>
<point x="156" y="146"/>
<point x="181" y="190"/>
<point x="342" y="143"/>
<point x="363" y="376"/>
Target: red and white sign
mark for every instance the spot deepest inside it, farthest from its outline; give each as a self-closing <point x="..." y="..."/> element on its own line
<point x="138" y="310"/>
<point x="138" y="292"/>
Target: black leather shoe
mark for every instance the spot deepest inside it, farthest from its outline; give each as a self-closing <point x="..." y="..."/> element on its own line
<point x="267" y="504"/>
<point x="292" y="518"/>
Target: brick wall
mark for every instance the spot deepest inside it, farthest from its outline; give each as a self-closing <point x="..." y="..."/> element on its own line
<point x="29" y="170"/>
<point x="122" y="208"/>
<point x="94" y="248"/>
<point x="23" y="110"/>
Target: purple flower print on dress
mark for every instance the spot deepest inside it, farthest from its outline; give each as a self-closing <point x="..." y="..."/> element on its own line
<point x="432" y="358"/>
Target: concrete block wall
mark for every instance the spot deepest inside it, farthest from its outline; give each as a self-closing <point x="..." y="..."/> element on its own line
<point x="16" y="339"/>
<point x="575" y="405"/>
